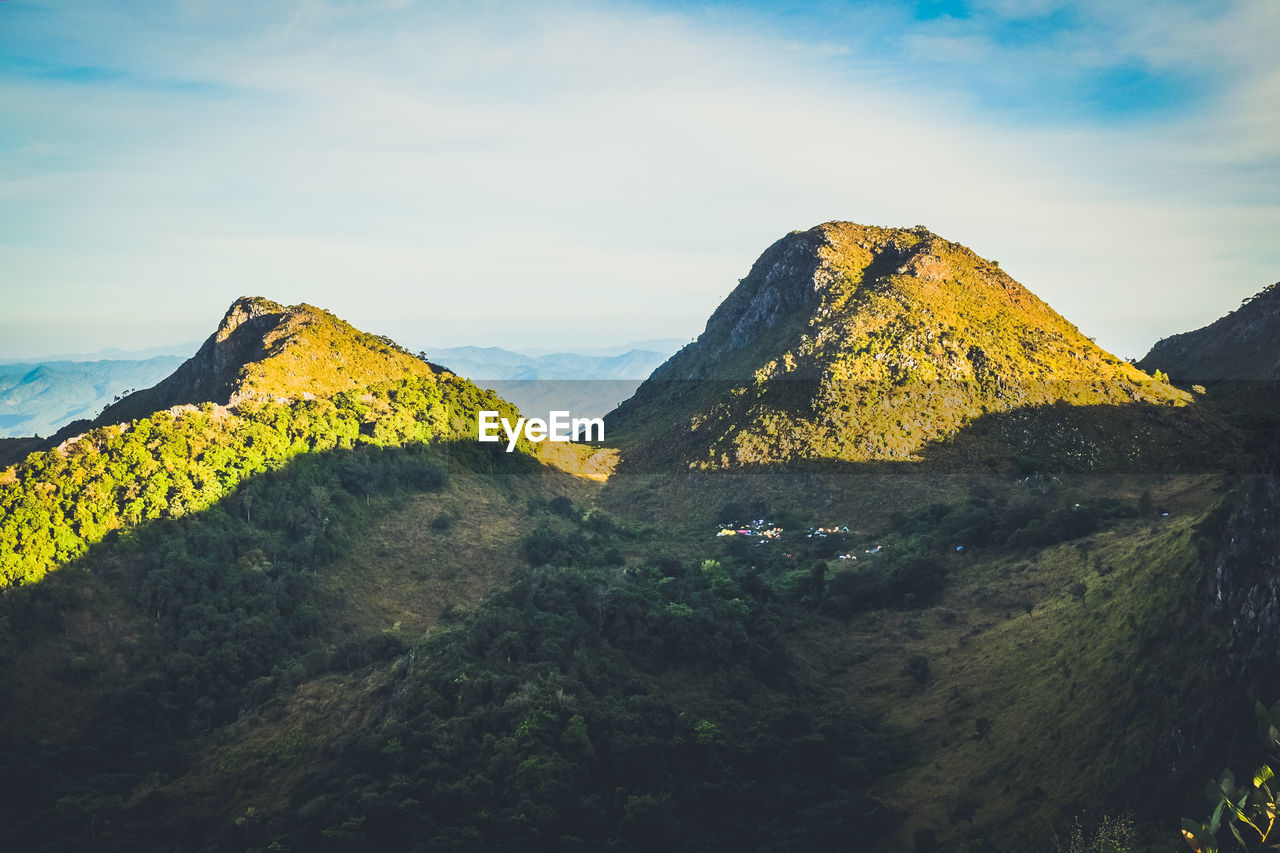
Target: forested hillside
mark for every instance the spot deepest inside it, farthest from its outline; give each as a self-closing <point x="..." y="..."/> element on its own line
<point x="217" y="566"/>
<point x="293" y="619"/>
<point x="57" y="503"/>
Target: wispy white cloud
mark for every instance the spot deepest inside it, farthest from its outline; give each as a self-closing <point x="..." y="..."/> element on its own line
<point x="479" y="173"/>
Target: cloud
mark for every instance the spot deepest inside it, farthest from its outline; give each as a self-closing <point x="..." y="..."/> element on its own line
<point x="481" y="173"/>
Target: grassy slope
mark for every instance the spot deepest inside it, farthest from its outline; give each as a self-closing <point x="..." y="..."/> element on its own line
<point x="403" y="573"/>
<point x="1079" y="691"/>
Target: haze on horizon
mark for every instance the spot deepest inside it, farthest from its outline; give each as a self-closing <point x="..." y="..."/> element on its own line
<point x="579" y="174"/>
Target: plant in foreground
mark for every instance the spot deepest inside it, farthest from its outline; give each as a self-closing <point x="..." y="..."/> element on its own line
<point x="1248" y="809"/>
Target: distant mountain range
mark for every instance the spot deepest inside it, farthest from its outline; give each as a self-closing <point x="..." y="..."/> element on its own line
<point x="633" y="362"/>
<point x="109" y="354"/>
<point x="588" y="384"/>
<point x="39" y="398"/>
<point x="42" y="396"/>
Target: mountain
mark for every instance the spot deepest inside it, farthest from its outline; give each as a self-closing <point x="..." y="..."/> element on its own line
<point x="267" y="385"/>
<point x="1240" y="346"/>
<point x="484" y="363"/>
<point x="263" y="350"/>
<point x="109" y="354"/>
<point x="300" y="608"/>
<point x="860" y="343"/>
<point x="39" y="398"/>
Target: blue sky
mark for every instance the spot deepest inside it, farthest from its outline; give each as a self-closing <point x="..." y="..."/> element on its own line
<point x="576" y="174"/>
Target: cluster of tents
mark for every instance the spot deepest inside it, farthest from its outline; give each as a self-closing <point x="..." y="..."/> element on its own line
<point x="760" y="528"/>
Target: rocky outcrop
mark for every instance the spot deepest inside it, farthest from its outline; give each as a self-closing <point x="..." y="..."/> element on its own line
<point x="788" y="277"/>
<point x="211" y="374"/>
<point x="1244" y="570"/>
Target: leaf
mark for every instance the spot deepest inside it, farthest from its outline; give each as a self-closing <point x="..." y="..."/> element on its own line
<point x="1216" y="820"/>
<point x="1263" y="775"/>
<point x="1198" y="837"/>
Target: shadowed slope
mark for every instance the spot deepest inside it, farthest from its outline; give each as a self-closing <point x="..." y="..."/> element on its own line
<point x="1244" y="344"/>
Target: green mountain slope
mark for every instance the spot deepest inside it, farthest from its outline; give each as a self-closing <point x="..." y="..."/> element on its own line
<point x="297" y="381"/>
<point x="232" y="653"/>
<point x="857" y="343"/>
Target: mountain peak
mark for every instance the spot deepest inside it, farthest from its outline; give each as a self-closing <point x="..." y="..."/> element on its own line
<point x="860" y="342"/>
<point x="244" y="310"/>
<point x="264" y="350"/>
<point x="808" y="277"/>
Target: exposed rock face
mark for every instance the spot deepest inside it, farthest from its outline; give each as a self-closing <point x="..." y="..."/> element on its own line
<point x="1243" y="345"/>
<point x="861" y="343"/>
<point x="211" y="374"/>
<point x="1245" y="569"/>
<point x="240" y="337"/>
<point x="789" y="276"/>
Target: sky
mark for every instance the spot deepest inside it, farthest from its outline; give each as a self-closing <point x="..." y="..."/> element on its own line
<point x="569" y="175"/>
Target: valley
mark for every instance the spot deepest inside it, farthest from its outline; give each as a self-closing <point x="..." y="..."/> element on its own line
<point x="1011" y="588"/>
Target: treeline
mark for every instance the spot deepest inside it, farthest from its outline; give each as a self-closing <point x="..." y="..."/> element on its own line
<point x="57" y="503"/>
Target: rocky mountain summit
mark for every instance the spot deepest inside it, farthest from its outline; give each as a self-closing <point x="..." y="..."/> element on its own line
<point x="862" y="343"/>
<point x="265" y="350"/>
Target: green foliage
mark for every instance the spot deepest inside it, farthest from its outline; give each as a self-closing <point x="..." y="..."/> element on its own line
<point x="57" y="503"/>
<point x="593" y="708"/>
<point x="1248" y="809"/>
<point x="1109" y="835"/>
